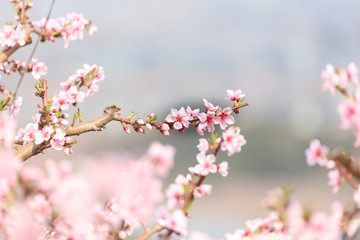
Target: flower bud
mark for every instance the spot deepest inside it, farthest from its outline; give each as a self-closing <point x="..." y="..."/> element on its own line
<point x="139" y="121"/>
<point x="126" y="128"/>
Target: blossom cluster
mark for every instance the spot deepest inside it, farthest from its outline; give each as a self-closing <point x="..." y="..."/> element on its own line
<point x="258" y="229"/>
<point x="58" y="204"/>
<point x="349" y="110"/>
<point x="337" y="78"/>
<point x="49" y="122"/>
<point x="341" y="166"/>
<point x="37" y="69"/>
<point x="288" y="220"/>
<point x="12" y="35"/>
<point x="181" y="119"/>
<point x="186" y="188"/>
<point x="70" y="28"/>
<point x="301" y="224"/>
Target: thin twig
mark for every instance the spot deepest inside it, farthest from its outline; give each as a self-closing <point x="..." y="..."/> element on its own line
<point x="33" y="51"/>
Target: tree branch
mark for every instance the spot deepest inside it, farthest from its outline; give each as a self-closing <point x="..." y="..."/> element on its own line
<point x="154" y="229"/>
<point x="96" y="125"/>
<point x="351" y="166"/>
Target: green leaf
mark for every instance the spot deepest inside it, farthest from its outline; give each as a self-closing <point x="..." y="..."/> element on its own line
<point x="133" y="114"/>
<point x="153" y="118"/>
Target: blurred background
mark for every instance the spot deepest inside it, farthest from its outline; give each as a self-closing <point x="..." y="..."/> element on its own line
<point x="159" y="54"/>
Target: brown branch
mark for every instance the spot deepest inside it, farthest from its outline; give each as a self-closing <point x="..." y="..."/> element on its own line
<point x="44" y="97"/>
<point x="110" y="114"/>
<point x="347" y="176"/>
<point x="154" y="229"/>
<point x="351" y="166"/>
<point x="96" y="125"/>
<point x="5" y="54"/>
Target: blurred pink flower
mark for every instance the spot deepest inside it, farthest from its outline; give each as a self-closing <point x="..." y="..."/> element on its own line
<point x="162" y="157"/>
<point x="316" y="153"/>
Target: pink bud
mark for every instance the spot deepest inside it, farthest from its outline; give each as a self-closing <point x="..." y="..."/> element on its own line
<point x="67" y="140"/>
<point x="165" y="129"/>
<point x="21" y="5"/>
<point x="148" y="126"/>
<point x="68" y="150"/>
<point x="126" y="129"/>
<point x="139" y="130"/>
<point x="65" y="115"/>
<point x="139" y="121"/>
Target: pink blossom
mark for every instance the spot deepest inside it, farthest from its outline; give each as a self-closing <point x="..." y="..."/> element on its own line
<point x="207" y="121"/>
<point x="332" y="79"/>
<point x="93" y="30"/>
<point x="75" y="28"/>
<point x="39" y="69"/>
<point x="165" y="129"/>
<point x="28" y="134"/>
<point x="10" y="35"/>
<point x="175" y="195"/>
<point x="223" y="168"/>
<point x="97" y="76"/>
<point x="82" y="73"/>
<point x="36" y="118"/>
<point x="209" y="106"/>
<point x="93" y="87"/>
<point x="131" y="185"/>
<point x="224" y="118"/>
<point x="320" y="225"/>
<point x="15" y="107"/>
<point x="192" y="113"/>
<point x="44" y="134"/>
<point x="349" y="113"/>
<point x="65" y="85"/>
<point x="353" y="73"/>
<point x="316" y="153"/>
<point x="39" y="205"/>
<point x="58" y="140"/>
<point x="232" y="141"/>
<point x="31" y="173"/>
<point x="203" y="145"/>
<point x="175" y="221"/>
<point x="23" y="225"/>
<point x="179" y="118"/>
<point x="206" y="165"/>
<point x="235" y="96"/>
<point x="75" y="95"/>
<point x="61" y="101"/>
<point x="162" y="156"/>
<point x="181" y="179"/>
<point x="202" y="190"/>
